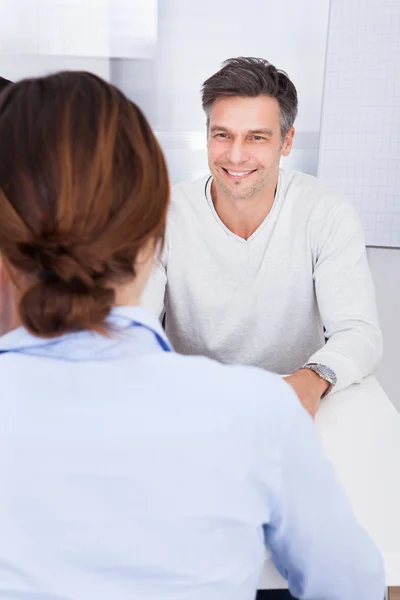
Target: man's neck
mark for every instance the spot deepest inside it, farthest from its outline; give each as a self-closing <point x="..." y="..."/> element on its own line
<point x="243" y="217"/>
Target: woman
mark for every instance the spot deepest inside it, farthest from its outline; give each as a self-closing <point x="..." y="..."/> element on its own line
<point x="126" y="470"/>
<point x="4" y="83"/>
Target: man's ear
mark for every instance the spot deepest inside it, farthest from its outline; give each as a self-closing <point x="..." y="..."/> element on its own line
<point x="288" y="142"/>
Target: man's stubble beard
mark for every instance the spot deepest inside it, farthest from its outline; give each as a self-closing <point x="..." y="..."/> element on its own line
<point x="258" y="186"/>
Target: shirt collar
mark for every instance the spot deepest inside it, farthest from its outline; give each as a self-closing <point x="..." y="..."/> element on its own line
<point x="120" y="318"/>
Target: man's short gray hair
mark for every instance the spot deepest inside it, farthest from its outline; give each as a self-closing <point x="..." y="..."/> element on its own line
<point x="249" y="77"/>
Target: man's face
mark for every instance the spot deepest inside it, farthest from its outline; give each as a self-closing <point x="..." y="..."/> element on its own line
<point x="245" y="145"/>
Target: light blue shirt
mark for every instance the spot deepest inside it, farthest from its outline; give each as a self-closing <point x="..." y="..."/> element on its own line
<point x="129" y="472"/>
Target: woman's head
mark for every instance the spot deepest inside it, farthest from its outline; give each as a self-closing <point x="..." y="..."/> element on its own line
<point x="83" y="191"/>
<point x="4" y="83"/>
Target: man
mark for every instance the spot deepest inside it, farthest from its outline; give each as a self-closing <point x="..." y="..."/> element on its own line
<point x="263" y="266"/>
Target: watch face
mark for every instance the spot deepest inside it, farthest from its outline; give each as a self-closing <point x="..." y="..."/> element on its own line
<point x="327" y="372"/>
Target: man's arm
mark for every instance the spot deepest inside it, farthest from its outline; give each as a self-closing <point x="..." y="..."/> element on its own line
<point x="153" y="297"/>
<point x="316" y="542"/>
<point x="346" y="301"/>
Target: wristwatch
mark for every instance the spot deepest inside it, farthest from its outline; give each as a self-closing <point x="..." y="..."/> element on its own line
<point x="325" y="373"/>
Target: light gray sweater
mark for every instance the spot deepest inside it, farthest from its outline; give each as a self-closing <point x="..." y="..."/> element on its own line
<point x="298" y="290"/>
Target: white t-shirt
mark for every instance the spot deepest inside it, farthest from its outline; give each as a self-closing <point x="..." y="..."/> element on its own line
<point x="273" y="300"/>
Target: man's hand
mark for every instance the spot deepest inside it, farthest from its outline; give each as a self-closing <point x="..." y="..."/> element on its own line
<point x="309" y="388"/>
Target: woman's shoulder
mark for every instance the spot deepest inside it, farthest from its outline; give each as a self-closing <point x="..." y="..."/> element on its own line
<point x="235" y="390"/>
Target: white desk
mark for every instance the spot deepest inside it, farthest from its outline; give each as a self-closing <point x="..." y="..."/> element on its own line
<point x="360" y="430"/>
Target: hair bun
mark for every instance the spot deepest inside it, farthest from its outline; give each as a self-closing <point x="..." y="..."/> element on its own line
<point x="70" y="293"/>
<point x="51" y="307"/>
<point x="58" y="262"/>
<point x="66" y="259"/>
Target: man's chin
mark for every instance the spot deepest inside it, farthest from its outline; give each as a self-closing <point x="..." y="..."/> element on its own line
<point x="234" y="193"/>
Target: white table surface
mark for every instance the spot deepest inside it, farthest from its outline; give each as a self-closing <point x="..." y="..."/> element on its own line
<point x="360" y="430"/>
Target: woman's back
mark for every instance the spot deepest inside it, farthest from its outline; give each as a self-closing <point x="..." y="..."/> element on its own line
<point x="130" y="472"/>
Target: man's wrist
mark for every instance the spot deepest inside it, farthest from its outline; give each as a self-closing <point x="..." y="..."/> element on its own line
<point x="322" y="385"/>
<point x="325" y="373"/>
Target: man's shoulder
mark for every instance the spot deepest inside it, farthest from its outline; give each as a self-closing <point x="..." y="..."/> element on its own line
<point x="313" y="192"/>
<point x="188" y="200"/>
<point x="324" y="209"/>
<point x="189" y="191"/>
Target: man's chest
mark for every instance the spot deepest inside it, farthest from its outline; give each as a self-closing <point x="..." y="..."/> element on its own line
<point x="274" y="269"/>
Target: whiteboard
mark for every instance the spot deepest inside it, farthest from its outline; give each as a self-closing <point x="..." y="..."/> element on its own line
<point x="360" y="131"/>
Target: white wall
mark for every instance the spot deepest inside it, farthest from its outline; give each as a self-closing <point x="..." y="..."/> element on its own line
<point x="385" y="267"/>
<point x="88" y="28"/>
<point x="15" y="67"/>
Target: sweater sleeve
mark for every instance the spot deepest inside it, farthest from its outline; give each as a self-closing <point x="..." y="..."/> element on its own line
<point x="346" y="297"/>
<point x="153" y="297"/>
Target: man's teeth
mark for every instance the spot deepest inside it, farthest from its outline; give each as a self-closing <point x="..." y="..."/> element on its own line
<point x="238" y="173"/>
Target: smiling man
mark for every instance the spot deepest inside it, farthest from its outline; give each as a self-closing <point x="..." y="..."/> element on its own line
<point x="265" y="266"/>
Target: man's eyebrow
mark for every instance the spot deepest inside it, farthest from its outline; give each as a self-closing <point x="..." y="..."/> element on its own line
<point x="262" y="131"/>
<point x="219" y="128"/>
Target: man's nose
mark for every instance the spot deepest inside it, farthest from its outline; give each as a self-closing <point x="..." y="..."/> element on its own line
<point x="237" y="152"/>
